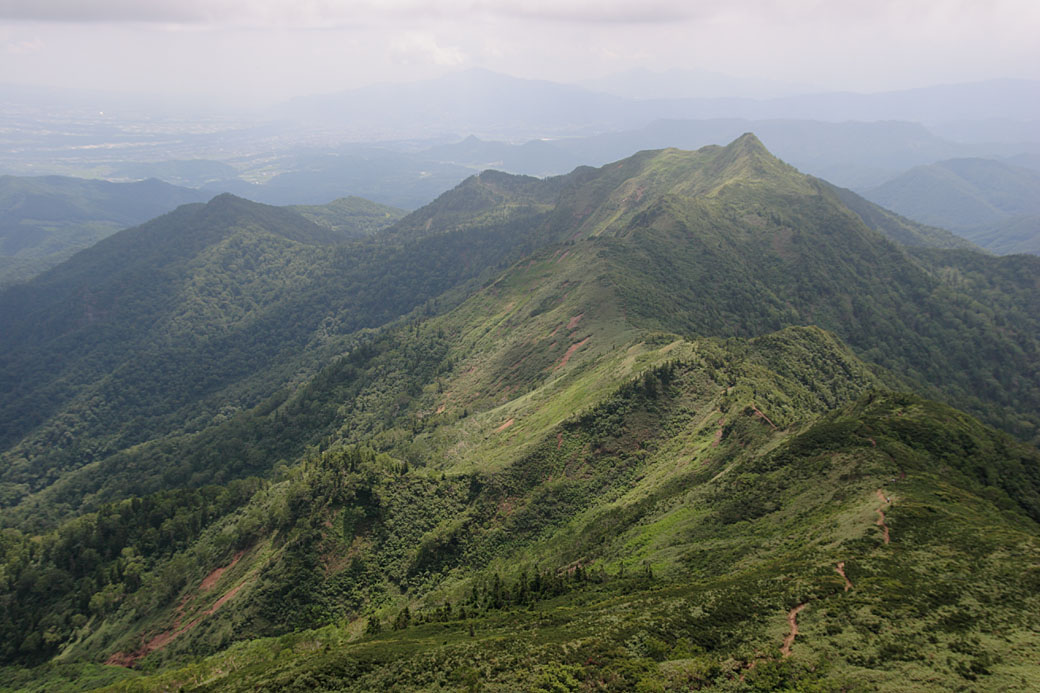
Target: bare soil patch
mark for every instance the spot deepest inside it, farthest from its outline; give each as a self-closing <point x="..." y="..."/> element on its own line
<point x="762" y="416"/>
<point x="570" y="352"/>
<point x="161" y="640"/>
<point x="211" y="580"/>
<point x="718" y="434"/>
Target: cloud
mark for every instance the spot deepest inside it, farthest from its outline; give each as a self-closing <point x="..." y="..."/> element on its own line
<point x="339" y="13"/>
<point x="602" y="11"/>
<point x="331" y="13"/>
<point x="421" y="48"/>
<point x="25" y="47"/>
<point x="104" y="11"/>
<point x="283" y="48"/>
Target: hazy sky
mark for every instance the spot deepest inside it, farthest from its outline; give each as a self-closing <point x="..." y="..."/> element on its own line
<point x="253" y="50"/>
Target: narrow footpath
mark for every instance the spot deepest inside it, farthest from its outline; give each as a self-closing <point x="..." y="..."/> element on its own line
<point x="881" y="514"/>
<point x="841" y="571"/>
<point x="792" y="622"/>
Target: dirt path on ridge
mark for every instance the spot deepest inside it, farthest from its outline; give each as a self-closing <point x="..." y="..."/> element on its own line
<point x="759" y="414"/>
<point x="841" y="571"/>
<point x="881" y="514"/>
<point x="792" y="615"/>
<point x="792" y="622"/>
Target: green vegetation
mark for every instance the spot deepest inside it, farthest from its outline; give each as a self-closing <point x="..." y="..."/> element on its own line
<point x="989" y="202"/>
<point x="572" y="434"/>
<point x="900" y="229"/>
<point x="1019" y="234"/>
<point x="629" y="569"/>
<point x="199" y="314"/>
<point x="45" y="220"/>
<point x="354" y="217"/>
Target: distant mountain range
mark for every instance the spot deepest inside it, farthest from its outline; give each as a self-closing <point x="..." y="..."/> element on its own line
<point x="376" y="142"/>
<point x="993" y="203"/>
<point x="857" y="155"/>
<point x="492" y="105"/>
<point x="679" y="83"/>
<point x="382" y="174"/>
<point x="852" y="154"/>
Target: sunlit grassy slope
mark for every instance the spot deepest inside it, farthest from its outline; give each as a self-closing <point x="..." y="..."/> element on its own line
<point x="664" y="560"/>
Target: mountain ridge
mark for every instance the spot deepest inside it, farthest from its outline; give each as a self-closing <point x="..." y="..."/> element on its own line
<point x="646" y="435"/>
<point x="684" y="190"/>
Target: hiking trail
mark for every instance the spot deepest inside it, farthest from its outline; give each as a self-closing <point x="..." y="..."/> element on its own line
<point x="792" y="622"/>
<point x="885" y="500"/>
<point x="840" y="567"/>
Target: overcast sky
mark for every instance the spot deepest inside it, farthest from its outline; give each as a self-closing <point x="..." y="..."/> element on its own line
<point x="256" y="50"/>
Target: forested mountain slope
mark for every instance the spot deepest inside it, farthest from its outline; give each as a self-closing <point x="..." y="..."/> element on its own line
<point x="992" y="203"/>
<point x="636" y="427"/>
<point x="212" y="308"/>
<point x="178" y="324"/>
<point x="962" y="194"/>
<point x="669" y="531"/>
<point x="45" y="219"/>
<point x="722" y="241"/>
<point x="355" y="217"/>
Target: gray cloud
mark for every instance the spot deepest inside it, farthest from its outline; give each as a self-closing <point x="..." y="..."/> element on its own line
<point x="331" y="13"/>
<point x="278" y="48"/>
<point x="608" y="12"/>
<point x="305" y="13"/>
<point x="186" y="11"/>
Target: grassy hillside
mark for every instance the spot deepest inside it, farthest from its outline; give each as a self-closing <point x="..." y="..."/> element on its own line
<point x="717" y="572"/>
<point x="180" y="324"/>
<point x="733" y="242"/>
<point x="722" y="241"/>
